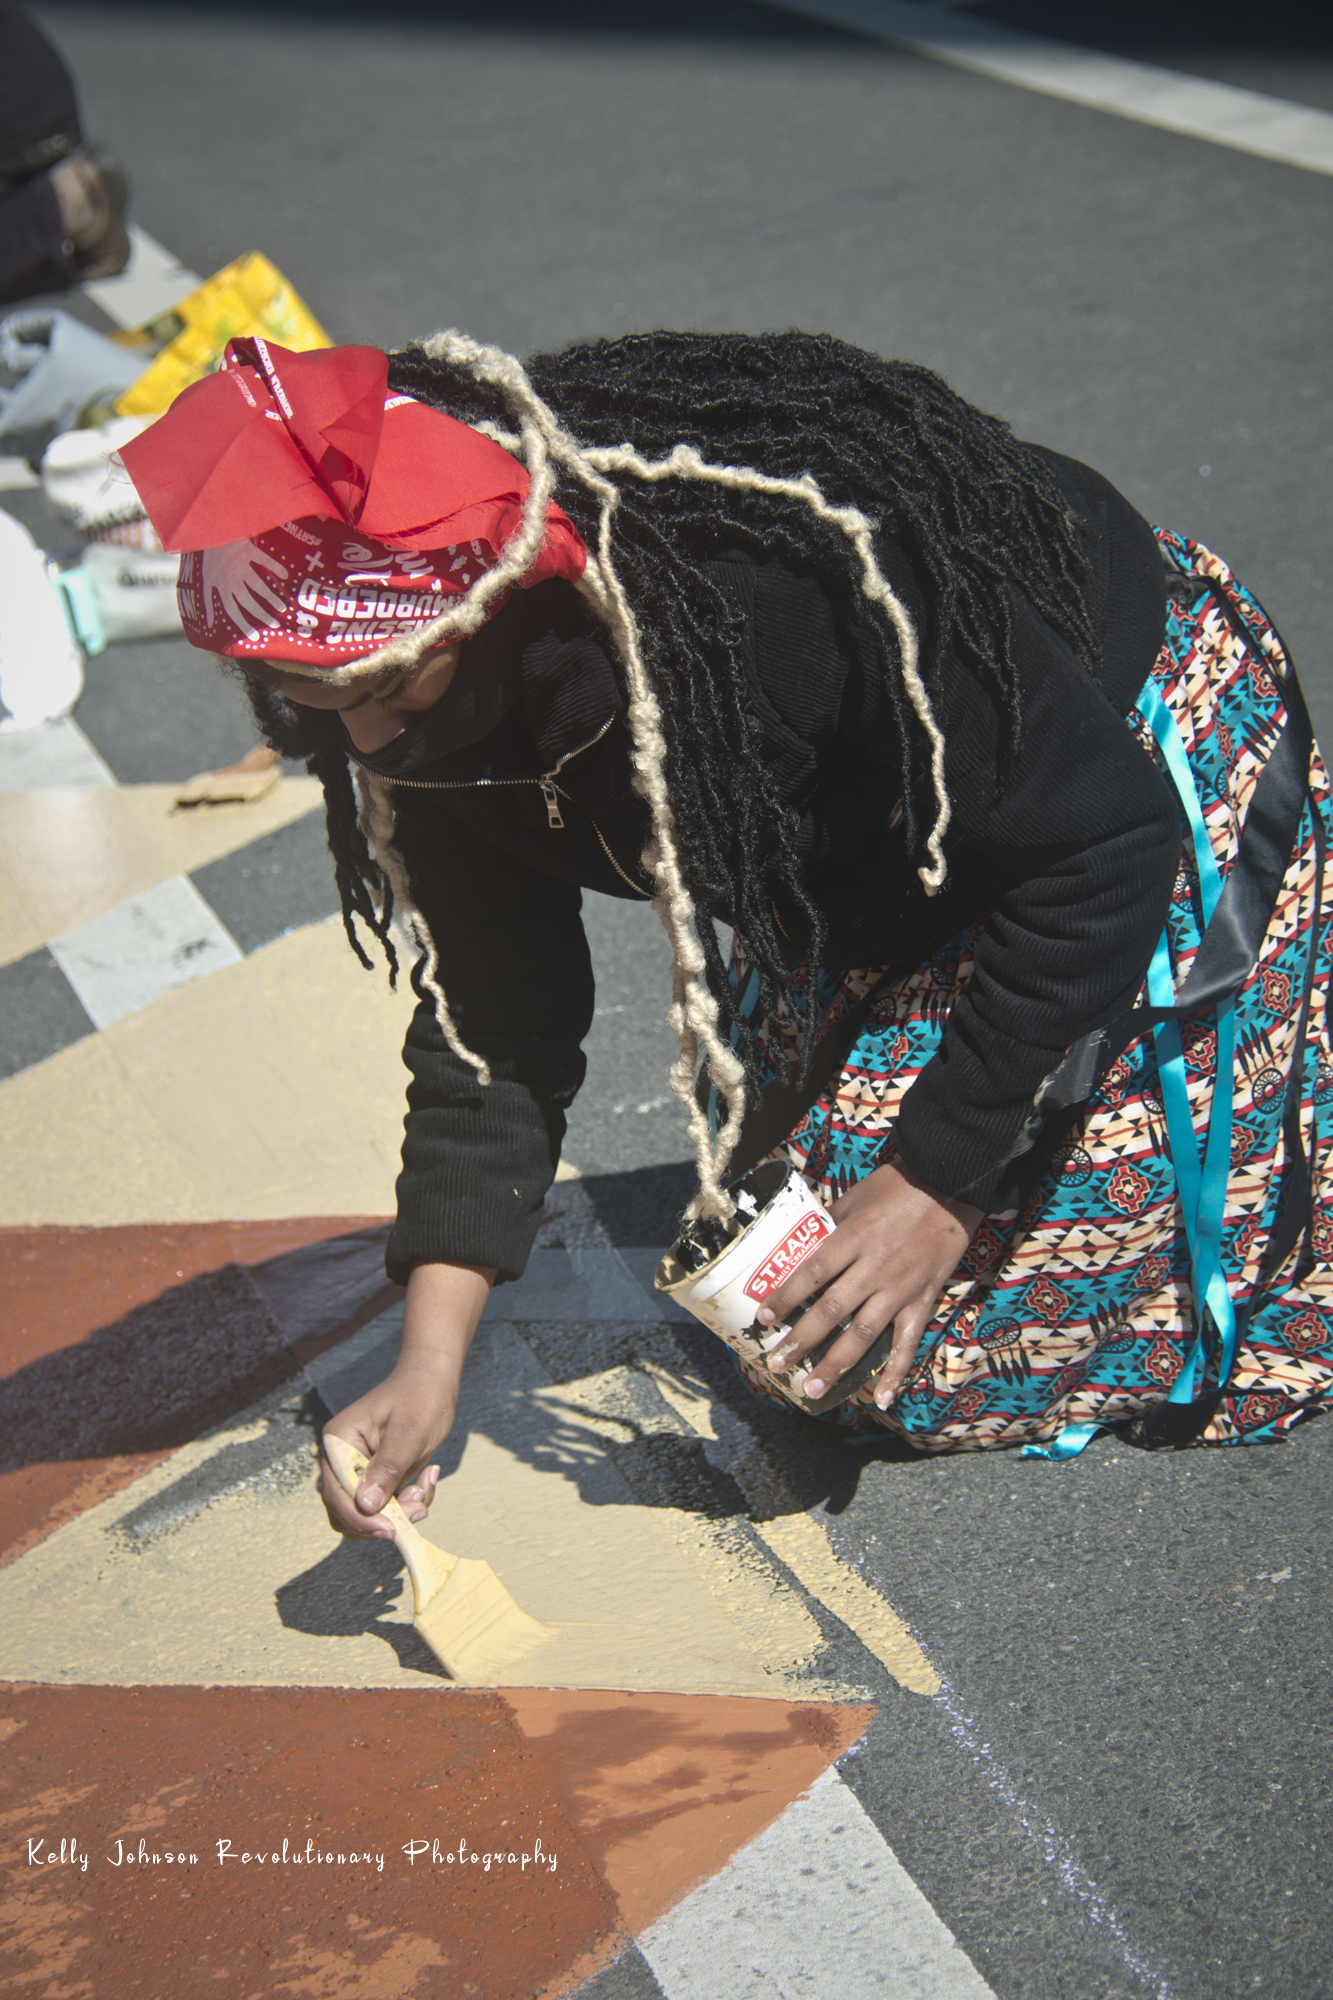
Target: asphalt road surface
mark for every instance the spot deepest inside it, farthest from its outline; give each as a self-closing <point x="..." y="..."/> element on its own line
<point x="1125" y="1789"/>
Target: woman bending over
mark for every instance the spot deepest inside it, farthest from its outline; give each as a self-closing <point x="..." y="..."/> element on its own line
<point x="1008" y="799"/>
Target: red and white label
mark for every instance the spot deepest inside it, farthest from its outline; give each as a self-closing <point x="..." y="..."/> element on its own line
<point x="809" y="1232"/>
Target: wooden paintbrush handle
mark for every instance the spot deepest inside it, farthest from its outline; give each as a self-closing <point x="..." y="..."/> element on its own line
<point x="428" y="1567"/>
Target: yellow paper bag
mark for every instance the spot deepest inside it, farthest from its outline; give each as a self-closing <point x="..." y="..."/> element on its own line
<point x="248" y="296"/>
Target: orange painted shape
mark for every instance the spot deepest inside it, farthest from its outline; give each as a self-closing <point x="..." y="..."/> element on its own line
<point x="78" y="1427"/>
<point x="664" y="1789"/>
<point x="59" y="1285"/>
<point x="347" y="1770"/>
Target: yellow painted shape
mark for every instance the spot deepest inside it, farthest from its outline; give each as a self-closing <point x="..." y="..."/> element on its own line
<point x="631" y="1610"/>
<point x="797" y="1540"/>
<point x="69" y="856"/>
<point x="802" y="1544"/>
<point x="255" y="1588"/>
<point x="272" y="1088"/>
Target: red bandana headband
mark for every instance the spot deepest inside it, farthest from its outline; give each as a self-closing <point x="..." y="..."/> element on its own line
<point x="319" y="517"/>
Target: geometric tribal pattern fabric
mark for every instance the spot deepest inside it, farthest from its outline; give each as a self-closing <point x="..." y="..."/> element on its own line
<point x="1079" y="1307"/>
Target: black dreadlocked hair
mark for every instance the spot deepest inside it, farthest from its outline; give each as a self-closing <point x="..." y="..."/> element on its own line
<point x="317" y="737"/>
<point x="974" y="510"/>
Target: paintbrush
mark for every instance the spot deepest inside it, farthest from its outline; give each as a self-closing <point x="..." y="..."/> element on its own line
<point x="460" y="1607"/>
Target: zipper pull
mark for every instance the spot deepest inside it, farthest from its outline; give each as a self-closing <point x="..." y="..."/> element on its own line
<point x="553" y="818"/>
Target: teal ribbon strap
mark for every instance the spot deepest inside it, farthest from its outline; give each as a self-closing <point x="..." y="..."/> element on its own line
<point x="1201" y="1183"/>
<point x="1068" y="1444"/>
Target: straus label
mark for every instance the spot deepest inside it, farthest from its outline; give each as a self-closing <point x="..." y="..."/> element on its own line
<point x="777" y="1268"/>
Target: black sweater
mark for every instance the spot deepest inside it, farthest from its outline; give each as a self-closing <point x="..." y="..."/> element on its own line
<point x="514" y="795"/>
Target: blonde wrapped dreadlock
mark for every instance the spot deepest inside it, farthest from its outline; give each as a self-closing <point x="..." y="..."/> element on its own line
<point x="544" y="445"/>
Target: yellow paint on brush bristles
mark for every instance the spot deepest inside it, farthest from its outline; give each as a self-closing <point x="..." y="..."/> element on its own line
<point x="460" y="1607"/>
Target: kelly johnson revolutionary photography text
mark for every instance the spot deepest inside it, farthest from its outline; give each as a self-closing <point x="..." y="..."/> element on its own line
<point x="71" y="1853"/>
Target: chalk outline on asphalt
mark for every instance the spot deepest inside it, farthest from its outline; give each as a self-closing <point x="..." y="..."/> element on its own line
<point x="1221" y="114"/>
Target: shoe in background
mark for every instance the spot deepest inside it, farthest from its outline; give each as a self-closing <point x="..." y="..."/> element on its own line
<point x="91" y="193"/>
<point x="62" y="202"/>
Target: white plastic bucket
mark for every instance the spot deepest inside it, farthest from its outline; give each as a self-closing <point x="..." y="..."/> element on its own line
<point x="722" y="1272"/>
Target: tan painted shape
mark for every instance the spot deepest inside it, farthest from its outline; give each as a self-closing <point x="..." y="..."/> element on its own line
<point x="631" y="1608"/>
<point x="253" y="1587"/>
<point x="19" y="933"/>
<point x="772" y="1617"/>
<point x="460" y="1607"/>
<point x="272" y="1088"/>
<point x="769" y="1615"/>
<point x="84" y="1147"/>
<point x="571" y="1423"/>
<point x="797" y="1540"/>
<point x="69" y="856"/>
<point x="802" y="1544"/>
<point x="684" y="1397"/>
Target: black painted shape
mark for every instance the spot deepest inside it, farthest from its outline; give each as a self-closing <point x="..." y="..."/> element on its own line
<point x="274" y="885"/>
<point x="40" y="1013"/>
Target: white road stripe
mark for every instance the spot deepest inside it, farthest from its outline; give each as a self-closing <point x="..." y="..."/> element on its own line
<point x="1297" y="135"/>
<point x="55" y="756"/>
<point x="144" y="948"/>
<point x="817" y="1908"/>
<point x="152" y="282"/>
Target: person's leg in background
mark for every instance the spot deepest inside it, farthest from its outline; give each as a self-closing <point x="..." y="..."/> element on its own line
<point x="62" y="203"/>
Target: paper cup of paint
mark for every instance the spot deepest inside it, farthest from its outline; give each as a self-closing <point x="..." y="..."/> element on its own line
<point x="723" y="1269"/>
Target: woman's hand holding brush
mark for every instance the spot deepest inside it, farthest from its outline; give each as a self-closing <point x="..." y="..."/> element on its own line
<point x="400" y="1423"/>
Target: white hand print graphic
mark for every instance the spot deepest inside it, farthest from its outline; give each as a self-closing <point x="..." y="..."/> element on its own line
<point x="244" y="578"/>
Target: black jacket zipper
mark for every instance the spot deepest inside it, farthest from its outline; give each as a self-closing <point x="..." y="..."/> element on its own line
<point x="546" y="784"/>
